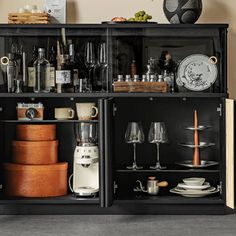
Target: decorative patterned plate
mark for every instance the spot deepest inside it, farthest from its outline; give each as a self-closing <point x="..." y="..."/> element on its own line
<point x="197" y="72"/>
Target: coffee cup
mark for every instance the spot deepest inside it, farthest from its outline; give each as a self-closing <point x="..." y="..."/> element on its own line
<point x="86" y="111"/>
<point x="64" y="113"/>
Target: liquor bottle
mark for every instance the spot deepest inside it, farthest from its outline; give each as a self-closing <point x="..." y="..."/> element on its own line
<point x="53" y="66"/>
<point x="133" y="69"/>
<point x="12" y="73"/>
<point x="42" y="73"/>
<point x="63" y="75"/>
<point x="31" y="71"/>
<point x="74" y="66"/>
<point x="168" y="73"/>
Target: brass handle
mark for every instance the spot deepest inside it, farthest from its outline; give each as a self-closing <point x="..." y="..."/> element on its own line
<point x="162" y="184"/>
<point x="213" y="60"/>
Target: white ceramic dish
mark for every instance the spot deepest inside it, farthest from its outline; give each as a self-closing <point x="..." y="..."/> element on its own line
<point x="197" y="72"/>
<point x="194" y="187"/>
<point x="194" y="181"/>
<point x="194" y="193"/>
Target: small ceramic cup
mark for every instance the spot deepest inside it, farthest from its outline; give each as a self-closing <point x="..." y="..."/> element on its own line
<point x="64" y="113"/>
<point x="86" y="111"/>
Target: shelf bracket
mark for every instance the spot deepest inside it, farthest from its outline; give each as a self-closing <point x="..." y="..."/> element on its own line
<point x="114" y="109"/>
<point x="219" y="109"/>
<point x="115" y="186"/>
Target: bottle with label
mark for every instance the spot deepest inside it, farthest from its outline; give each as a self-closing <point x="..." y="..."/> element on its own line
<point x="74" y="66"/>
<point x="31" y="71"/>
<point x="53" y="66"/>
<point x="42" y="73"/>
<point x="63" y="76"/>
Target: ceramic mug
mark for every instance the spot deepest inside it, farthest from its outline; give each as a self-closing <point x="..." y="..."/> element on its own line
<point x="64" y="113"/>
<point x="86" y="111"/>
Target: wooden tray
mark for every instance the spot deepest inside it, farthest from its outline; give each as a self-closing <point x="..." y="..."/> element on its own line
<point x="160" y="87"/>
<point x="35" y="180"/>
<point x="28" y="18"/>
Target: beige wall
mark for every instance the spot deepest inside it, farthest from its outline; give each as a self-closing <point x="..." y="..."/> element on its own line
<point x="95" y="11"/>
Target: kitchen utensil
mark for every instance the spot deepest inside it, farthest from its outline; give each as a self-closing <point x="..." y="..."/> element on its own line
<point x="153" y="186"/>
<point x="196" y="155"/>
<point x="86" y="111"/>
<point x="194" y="181"/>
<point x="197" y="72"/>
<point x="134" y="135"/>
<point x="86" y="161"/>
<point x="203" y="164"/>
<point x="201" y="145"/>
<point x="157" y="134"/>
<point x="194" y="193"/>
<point x="90" y="62"/>
<point x="64" y="113"/>
<point x="194" y="187"/>
<point x="103" y="63"/>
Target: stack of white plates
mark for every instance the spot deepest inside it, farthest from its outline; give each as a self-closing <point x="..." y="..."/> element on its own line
<point x="194" y="187"/>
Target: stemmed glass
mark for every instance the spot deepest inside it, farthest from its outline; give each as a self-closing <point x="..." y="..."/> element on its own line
<point x="134" y="134"/>
<point x="102" y="63"/>
<point x="90" y="62"/>
<point x="157" y="134"/>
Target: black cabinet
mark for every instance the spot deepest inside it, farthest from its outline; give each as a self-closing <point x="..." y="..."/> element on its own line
<point x="126" y="42"/>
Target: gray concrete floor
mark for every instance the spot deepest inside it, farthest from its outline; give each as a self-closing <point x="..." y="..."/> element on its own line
<point x="118" y="225"/>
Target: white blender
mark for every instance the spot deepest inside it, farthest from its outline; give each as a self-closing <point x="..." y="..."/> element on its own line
<point x="86" y="161"/>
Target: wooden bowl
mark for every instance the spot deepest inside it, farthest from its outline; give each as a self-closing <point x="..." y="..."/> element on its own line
<point x="35" y="180"/>
<point x="35" y="153"/>
<point x="36" y="132"/>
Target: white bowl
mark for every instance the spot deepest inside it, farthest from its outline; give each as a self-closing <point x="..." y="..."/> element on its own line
<point x="194" y="181"/>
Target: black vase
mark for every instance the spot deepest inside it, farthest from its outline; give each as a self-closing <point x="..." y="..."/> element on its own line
<point x="182" y="11"/>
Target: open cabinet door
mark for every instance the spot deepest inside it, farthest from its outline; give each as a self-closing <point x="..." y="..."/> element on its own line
<point x="106" y="166"/>
<point x="230" y="200"/>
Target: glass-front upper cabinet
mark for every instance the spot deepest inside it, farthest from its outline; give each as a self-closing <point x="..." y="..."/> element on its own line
<point x="53" y="58"/>
<point x="169" y="58"/>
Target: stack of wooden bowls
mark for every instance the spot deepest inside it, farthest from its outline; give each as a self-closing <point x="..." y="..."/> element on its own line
<point x="35" y="171"/>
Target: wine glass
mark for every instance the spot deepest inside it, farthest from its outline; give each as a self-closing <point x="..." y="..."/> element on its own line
<point x="102" y="63"/>
<point x="157" y="134"/>
<point x="90" y="62"/>
<point x="134" y="134"/>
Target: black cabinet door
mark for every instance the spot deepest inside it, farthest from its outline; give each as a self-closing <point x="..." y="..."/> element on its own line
<point x="106" y="166"/>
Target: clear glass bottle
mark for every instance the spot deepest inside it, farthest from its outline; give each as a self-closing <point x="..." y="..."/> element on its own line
<point x="42" y="73"/>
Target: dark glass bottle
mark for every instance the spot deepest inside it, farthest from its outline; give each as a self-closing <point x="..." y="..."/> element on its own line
<point x="74" y="66"/>
<point x="53" y="66"/>
<point x="31" y="70"/>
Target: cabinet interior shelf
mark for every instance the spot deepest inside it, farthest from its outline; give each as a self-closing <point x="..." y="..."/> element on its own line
<point x="110" y="94"/>
<point x="68" y="199"/>
<point x="170" y="200"/>
<point x="49" y="121"/>
<point x="169" y="171"/>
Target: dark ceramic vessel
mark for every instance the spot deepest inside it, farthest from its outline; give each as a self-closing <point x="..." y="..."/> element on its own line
<point x="182" y="11"/>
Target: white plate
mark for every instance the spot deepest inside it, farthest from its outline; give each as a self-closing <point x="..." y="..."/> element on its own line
<point x="191" y="187"/>
<point x="197" y="72"/>
<point x="194" y="193"/>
